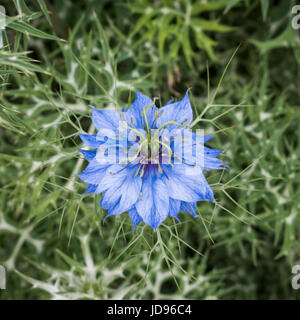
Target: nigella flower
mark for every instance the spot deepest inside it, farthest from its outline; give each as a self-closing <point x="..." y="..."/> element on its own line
<point x="146" y="161"/>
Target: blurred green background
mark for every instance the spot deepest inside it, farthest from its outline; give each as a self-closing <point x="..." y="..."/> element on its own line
<point x="59" y="57"/>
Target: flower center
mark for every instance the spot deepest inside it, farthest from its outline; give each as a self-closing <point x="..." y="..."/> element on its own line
<point x="150" y="150"/>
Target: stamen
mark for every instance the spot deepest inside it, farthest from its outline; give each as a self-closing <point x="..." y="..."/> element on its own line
<point x="159" y="169"/>
<point x="147" y="124"/>
<point x="142" y="171"/>
<point x="157" y="115"/>
<point x="136" y="154"/>
<point x="170" y="151"/>
<point x="137" y="171"/>
<point x="134" y="130"/>
<point x="166" y="124"/>
<point x="132" y="121"/>
<point x="145" y="116"/>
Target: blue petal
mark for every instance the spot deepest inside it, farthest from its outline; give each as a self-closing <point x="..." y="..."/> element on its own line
<point x="208" y="137"/>
<point x="107" y="154"/>
<point x="134" y="115"/>
<point x="90" y="140"/>
<point x="89" y="155"/>
<point x="174" y="208"/>
<point x="213" y="164"/>
<point x="153" y="206"/>
<point x="93" y="173"/>
<point x="189" y="207"/>
<point x="201" y="139"/>
<point x="120" y="189"/>
<point x="180" y="112"/>
<point x="135" y="217"/>
<point x="186" y="183"/>
<point x="106" y="119"/>
<point x="210" y="160"/>
<point x="91" y="188"/>
<point x="212" y="152"/>
<point x="193" y="151"/>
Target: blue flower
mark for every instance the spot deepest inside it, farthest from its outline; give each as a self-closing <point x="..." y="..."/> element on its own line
<point x="146" y="161"/>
